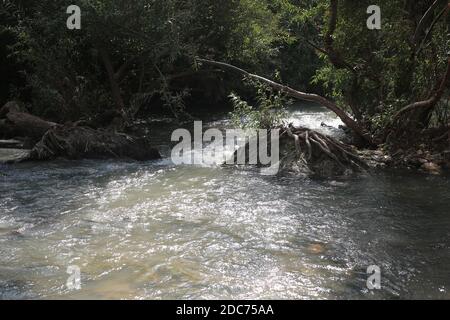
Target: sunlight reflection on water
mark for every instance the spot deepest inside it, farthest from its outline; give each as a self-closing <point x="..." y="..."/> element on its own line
<point x="152" y="230"/>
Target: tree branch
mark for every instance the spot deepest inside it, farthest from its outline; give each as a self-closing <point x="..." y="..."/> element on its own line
<point x="351" y="123"/>
<point x="430" y="29"/>
<point x="430" y="102"/>
<point x="425" y="18"/>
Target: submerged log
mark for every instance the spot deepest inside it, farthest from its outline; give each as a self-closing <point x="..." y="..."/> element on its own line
<point x="73" y="142"/>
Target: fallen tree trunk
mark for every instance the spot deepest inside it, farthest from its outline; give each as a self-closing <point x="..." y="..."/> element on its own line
<point x="16" y="122"/>
<point x="349" y="121"/>
<point x="27" y="125"/>
<point x="73" y="142"/>
<point x="52" y="140"/>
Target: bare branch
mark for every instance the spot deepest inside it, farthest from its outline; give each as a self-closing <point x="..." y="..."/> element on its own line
<point x="425" y="18"/>
<point x="430" y="29"/>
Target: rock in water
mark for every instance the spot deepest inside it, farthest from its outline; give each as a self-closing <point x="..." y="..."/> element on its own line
<point x="316" y="248"/>
<point x="432" y="168"/>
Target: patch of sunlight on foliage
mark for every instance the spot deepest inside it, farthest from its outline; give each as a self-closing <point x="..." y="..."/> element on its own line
<point x="269" y="112"/>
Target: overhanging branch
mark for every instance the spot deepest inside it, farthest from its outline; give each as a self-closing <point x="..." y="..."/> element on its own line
<point x="350" y="122"/>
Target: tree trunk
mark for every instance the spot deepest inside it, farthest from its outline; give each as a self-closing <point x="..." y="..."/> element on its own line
<point x="27" y="125"/>
<point x="115" y="88"/>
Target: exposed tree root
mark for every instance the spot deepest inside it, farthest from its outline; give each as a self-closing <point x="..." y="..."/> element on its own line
<point x="307" y="151"/>
<point x="87" y="143"/>
<point x="320" y="153"/>
<point x="52" y="140"/>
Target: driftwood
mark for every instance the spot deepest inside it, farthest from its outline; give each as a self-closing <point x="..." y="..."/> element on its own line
<point x="52" y="140"/>
<point x="87" y="143"/>
<point x="16" y="122"/>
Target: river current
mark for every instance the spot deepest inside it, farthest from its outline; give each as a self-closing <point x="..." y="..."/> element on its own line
<point x="154" y="230"/>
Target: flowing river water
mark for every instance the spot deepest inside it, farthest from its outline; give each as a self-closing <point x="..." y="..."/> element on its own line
<point x="154" y="230"/>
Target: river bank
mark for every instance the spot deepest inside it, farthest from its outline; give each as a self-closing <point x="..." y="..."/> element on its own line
<point x="157" y="231"/>
<point x="126" y="146"/>
<point x="154" y="230"/>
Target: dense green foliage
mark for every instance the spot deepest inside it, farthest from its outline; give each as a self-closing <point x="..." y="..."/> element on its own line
<point x="145" y="43"/>
<point x="390" y="67"/>
<point x="269" y="111"/>
<point x="133" y="53"/>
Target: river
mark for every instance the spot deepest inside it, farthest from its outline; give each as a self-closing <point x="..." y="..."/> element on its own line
<point x="154" y="230"/>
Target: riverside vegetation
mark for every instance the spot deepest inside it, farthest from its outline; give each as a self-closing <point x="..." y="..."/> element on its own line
<point x="78" y="93"/>
<point x="348" y="93"/>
